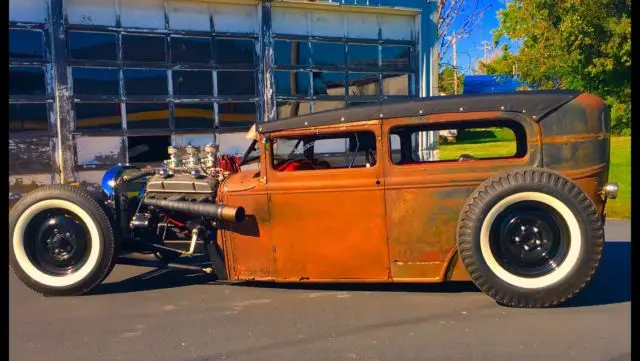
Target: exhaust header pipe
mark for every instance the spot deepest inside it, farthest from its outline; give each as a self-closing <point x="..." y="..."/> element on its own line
<point x="216" y="211"/>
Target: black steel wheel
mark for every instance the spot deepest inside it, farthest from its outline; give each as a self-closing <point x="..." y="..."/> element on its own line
<point x="530" y="238"/>
<point x="61" y="241"/>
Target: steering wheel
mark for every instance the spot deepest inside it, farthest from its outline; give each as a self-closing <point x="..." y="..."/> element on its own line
<point x="371" y="157"/>
<point x="466" y="157"/>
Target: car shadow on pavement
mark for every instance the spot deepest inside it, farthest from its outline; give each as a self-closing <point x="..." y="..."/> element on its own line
<point x="611" y="283"/>
<point x="155" y="279"/>
<point x="612" y="280"/>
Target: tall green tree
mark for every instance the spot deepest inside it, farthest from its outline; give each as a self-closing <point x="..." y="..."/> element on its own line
<point x="572" y="44"/>
<point x="446" y="80"/>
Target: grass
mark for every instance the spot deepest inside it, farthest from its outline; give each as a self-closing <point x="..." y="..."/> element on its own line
<point x="620" y="171"/>
<point x="499" y="146"/>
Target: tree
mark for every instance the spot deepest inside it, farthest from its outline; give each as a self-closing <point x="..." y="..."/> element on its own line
<point x="446" y="80"/>
<point x="583" y="45"/>
<point x="502" y="62"/>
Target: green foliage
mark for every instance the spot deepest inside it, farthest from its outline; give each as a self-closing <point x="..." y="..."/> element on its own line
<point x="446" y="80"/>
<point x="620" y="171"/>
<point x="571" y="44"/>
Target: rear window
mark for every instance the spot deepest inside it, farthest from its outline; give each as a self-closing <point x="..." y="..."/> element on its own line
<point x="457" y="142"/>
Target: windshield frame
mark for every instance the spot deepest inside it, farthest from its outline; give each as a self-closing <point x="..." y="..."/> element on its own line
<point x="252" y="147"/>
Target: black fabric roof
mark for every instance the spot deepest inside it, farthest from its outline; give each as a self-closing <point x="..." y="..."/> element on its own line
<point x="532" y="103"/>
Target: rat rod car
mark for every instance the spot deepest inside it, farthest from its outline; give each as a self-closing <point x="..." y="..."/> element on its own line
<point x="516" y="203"/>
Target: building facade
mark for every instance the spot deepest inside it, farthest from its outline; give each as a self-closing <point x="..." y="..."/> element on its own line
<point x="94" y="83"/>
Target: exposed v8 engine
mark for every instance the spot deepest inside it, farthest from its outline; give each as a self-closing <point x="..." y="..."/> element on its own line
<point x="176" y="202"/>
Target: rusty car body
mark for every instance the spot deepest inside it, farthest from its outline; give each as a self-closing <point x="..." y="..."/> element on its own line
<point x="387" y="215"/>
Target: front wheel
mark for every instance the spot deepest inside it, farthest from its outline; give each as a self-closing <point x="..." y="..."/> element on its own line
<point x="530" y="238"/>
<point x="61" y="241"/>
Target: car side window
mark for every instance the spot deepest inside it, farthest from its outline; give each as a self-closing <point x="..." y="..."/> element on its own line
<point x="457" y="142"/>
<point x="324" y="151"/>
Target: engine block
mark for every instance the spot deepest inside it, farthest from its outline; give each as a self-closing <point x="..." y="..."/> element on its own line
<point x="183" y="186"/>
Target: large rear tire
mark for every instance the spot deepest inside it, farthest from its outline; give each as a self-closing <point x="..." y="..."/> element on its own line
<point x="530" y="238"/>
<point x="61" y="241"/>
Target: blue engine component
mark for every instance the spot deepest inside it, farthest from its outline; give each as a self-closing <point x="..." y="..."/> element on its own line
<point x="111" y="176"/>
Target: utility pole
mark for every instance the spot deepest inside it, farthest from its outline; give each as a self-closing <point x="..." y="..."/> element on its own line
<point x="485" y="46"/>
<point x="455" y="64"/>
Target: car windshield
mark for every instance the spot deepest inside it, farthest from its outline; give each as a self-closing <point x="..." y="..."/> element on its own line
<point x="251" y="155"/>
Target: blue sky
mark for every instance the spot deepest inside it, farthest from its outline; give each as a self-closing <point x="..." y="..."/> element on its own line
<point x="470" y="48"/>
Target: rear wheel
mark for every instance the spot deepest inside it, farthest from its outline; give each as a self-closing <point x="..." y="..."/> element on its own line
<point x="61" y="241"/>
<point x="530" y="238"/>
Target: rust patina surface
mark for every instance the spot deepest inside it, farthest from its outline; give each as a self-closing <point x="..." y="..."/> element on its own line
<point x="392" y="222"/>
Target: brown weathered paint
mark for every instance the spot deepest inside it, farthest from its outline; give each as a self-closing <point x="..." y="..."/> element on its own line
<point x="393" y="223"/>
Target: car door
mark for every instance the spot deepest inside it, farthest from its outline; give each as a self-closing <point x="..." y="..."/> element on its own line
<point x="424" y="198"/>
<point x="248" y="247"/>
<point x="326" y="206"/>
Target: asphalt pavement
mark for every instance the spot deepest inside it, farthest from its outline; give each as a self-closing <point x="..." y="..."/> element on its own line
<point x="139" y="316"/>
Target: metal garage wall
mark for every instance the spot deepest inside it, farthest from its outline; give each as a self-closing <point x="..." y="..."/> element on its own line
<point x="122" y="79"/>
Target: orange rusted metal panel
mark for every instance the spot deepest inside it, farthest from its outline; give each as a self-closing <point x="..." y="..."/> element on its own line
<point x="424" y="201"/>
<point x="247" y="245"/>
<point x="329" y="224"/>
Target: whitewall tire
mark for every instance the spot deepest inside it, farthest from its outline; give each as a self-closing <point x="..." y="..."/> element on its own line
<point x="61" y="241"/>
<point x="530" y="238"/>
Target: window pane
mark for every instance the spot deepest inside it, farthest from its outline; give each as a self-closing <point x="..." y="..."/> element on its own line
<point x="237" y="114"/>
<point x="191" y="50"/>
<point x="292" y="109"/>
<point x="147" y="115"/>
<point x="29" y="155"/>
<point x="145" y="82"/>
<point x="328" y="83"/>
<point x="26" y="44"/>
<point x="363" y="84"/>
<point x="26" y="81"/>
<point x="284" y="54"/>
<point x="143" y="48"/>
<point x="92" y="150"/>
<point x="190" y="82"/>
<point x="234" y="52"/>
<point x="329" y="54"/>
<point x="236" y="83"/>
<point x="320" y="106"/>
<point x="458" y="144"/>
<point x="292" y="83"/>
<point x="95" y="81"/>
<point x="148" y="149"/>
<point x="395" y="84"/>
<point x="395" y="56"/>
<point x="317" y="152"/>
<point x="31" y="116"/>
<point x="98" y="116"/>
<point x="193" y="115"/>
<point x="363" y="55"/>
<point x="92" y="46"/>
